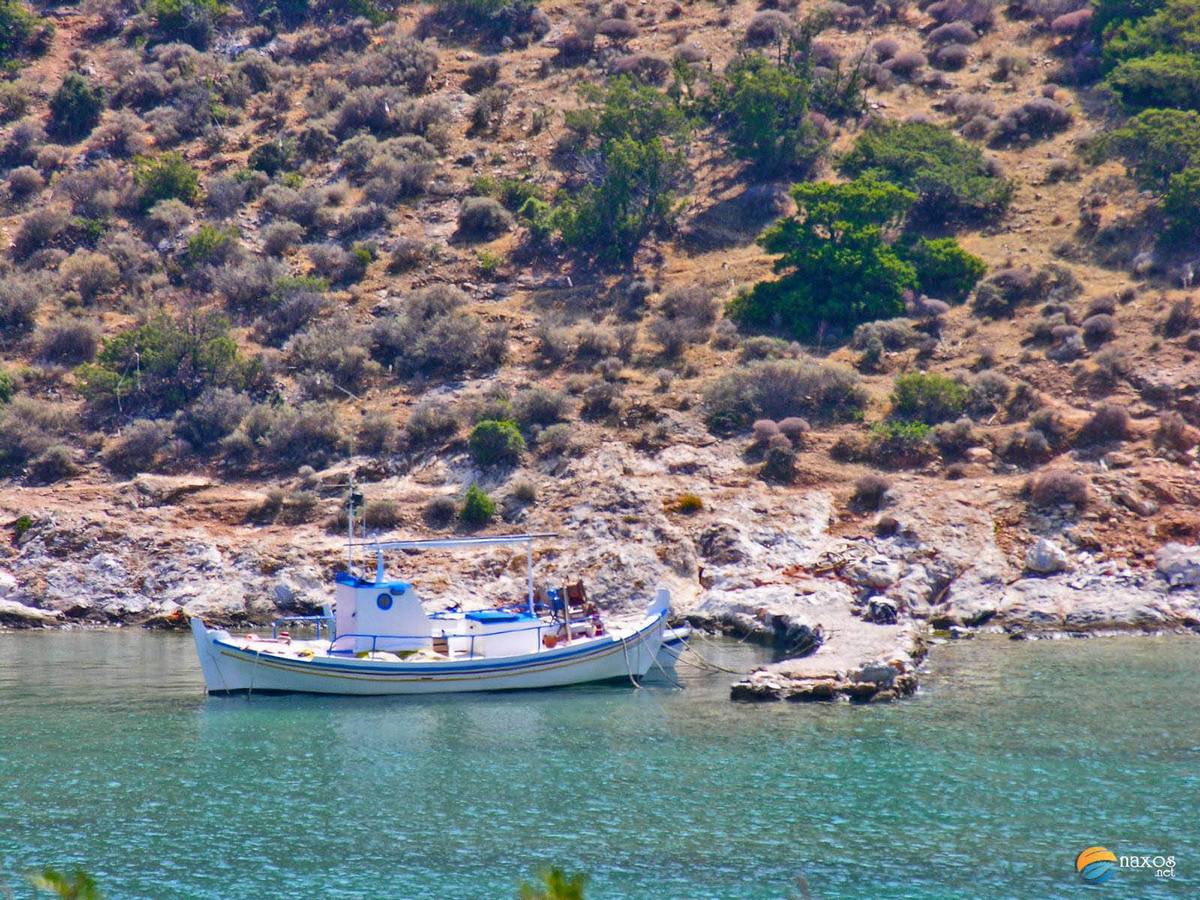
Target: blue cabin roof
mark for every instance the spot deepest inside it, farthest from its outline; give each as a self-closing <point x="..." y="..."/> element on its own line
<point x="495" y="615"/>
<point x="395" y="587"/>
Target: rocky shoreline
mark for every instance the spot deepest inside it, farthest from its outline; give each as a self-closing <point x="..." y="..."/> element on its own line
<point x="851" y="613"/>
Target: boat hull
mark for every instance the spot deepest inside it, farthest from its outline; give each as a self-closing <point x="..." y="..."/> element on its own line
<point x="230" y="668"/>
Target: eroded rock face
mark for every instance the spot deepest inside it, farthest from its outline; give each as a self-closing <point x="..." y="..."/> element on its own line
<point x="1179" y="564"/>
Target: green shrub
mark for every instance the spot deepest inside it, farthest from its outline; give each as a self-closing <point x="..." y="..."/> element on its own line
<point x="496" y="443"/>
<point x="1181" y="204"/>
<point x="944" y="269"/>
<point x="186" y="21"/>
<point x="7" y="387"/>
<point x="765" y="107"/>
<point x="899" y="444"/>
<point x="951" y="177"/>
<point x="836" y="264"/>
<point x="1161" y="80"/>
<point x="272" y="157"/>
<point x="928" y="398"/>
<point x="75" y="107"/>
<point x="164" y="177"/>
<point x="160" y="366"/>
<point x="1149" y="28"/>
<point x="18" y="27"/>
<point x="211" y="244"/>
<point x="477" y="508"/>
<point x="514" y="193"/>
<point x="1155" y="144"/>
<point x="782" y="388"/>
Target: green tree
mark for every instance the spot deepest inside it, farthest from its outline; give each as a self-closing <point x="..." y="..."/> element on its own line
<point x="765" y="107"/>
<point x="951" y="177"/>
<point x="1157" y="27"/>
<point x="631" y="134"/>
<point x="188" y="21"/>
<point x="633" y="198"/>
<point x="624" y="108"/>
<point x="837" y="265"/>
<point x="1155" y="144"/>
<point x="1161" y="80"/>
<point x="944" y="269"/>
<point x="554" y="884"/>
<point x="75" y="107"/>
<point x="1108" y="12"/>
<point x="496" y="443"/>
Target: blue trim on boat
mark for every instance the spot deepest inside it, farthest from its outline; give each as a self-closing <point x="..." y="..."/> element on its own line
<point x="396" y="587"/>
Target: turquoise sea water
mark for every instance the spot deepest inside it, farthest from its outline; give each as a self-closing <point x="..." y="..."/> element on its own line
<point x="1012" y="759"/>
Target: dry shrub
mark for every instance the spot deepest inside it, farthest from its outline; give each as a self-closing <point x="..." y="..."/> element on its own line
<point x="68" y="342"/>
<point x="1037" y="118"/>
<point x="1109" y="423"/>
<point x="768" y="27"/>
<point x="137" y="447"/>
<point x="1058" y="487"/>
<point x="778" y="389"/>
<point x="1174" y="433"/>
<point x="870" y="492"/>
<point x="952" y="33"/>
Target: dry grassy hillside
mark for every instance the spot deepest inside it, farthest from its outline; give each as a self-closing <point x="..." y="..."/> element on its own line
<point x="334" y="165"/>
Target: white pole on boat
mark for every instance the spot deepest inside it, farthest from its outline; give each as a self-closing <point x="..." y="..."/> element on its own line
<point x="350" y="529"/>
<point x="529" y="572"/>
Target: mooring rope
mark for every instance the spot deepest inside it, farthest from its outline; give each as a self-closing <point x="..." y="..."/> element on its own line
<point x="628" y="667"/>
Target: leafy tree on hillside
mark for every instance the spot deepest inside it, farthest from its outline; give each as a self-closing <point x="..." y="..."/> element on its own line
<point x="944" y="269"/>
<point x="1170" y="27"/>
<point x="161" y="366"/>
<point x="1161" y="80"/>
<point x="630" y="136"/>
<point x="1181" y="205"/>
<point x="951" y="177"/>
<point x="766" y="109"/>
<point x="1155" y="144"/>
<point x="75" y="107"/>
<point x="837" y="265"/>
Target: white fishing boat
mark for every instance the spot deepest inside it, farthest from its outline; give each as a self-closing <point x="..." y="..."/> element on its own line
<point x="383" y="641"/>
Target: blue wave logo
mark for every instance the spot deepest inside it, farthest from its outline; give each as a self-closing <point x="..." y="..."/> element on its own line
<point x="1096" y="865"/>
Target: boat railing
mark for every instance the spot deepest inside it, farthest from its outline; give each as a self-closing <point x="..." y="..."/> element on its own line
<point x="319" y="621"/>
<point x="376" y="638"/>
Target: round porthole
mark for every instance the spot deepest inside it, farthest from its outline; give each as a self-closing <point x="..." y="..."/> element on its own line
<point x="384" y="601"/>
